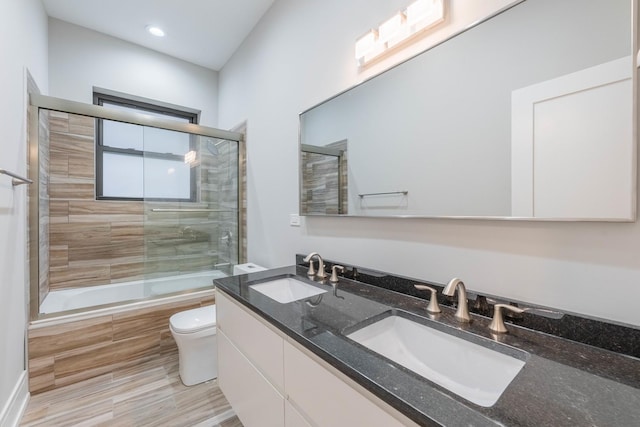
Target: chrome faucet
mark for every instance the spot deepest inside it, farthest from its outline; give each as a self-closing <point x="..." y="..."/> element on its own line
<point x="311" y="272"/>
<point x="462" y="314"/>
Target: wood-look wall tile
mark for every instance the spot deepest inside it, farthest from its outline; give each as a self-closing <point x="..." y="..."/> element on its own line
<point x="127" y="232"/>
<point x="83" y="363"/>
<point x="72" y="190"/>
<point x="73" y="277"/>
<point x="57" y="123"/>
<point x="81" y="166"/>
<point x="41" y="374"/>
<point x="167" y="343"/>
<point x="106" y="207"/>
<point x="58" y="255"/>
<point x="208" y="300"/>
<point x="131" y="249"/>
<point x="59" y="209"/>
<point x="70" y="144"/>
<point x="68" y="336"/>
<point x="146" y="369"/>
<point x="128" y="271"/>
<point x="198" y="263"/>
<point x="160" y="267"/>
<point x="147" y="320"/>
<point x="59" y="165"/>
<point x="129" y="352"/>
<point x="88" y="234"/>
<point x="81" y="125"/>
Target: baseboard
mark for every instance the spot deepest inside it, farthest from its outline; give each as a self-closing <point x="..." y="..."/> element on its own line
<point x="17" y="403"/>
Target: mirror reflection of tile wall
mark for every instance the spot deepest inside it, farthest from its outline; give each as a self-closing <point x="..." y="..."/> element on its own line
<point x="322" y="186"/>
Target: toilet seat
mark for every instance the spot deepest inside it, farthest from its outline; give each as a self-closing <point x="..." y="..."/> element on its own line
<point x="195" y="320"/>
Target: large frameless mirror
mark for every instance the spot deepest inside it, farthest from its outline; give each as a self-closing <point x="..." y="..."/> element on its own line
<point x="529" y="115"/>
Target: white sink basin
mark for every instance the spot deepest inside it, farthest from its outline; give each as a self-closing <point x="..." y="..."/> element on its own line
<point x="287" y="289"/>
<point x="469" y="370"/>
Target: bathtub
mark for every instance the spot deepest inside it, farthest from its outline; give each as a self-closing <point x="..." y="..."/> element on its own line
<point x="76" y="298"/>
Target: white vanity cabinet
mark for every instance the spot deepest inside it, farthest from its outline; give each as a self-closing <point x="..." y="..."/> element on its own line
<point x="270" y="380"/>
<point x="254" y="399"/>
<point x="250" y="371"/>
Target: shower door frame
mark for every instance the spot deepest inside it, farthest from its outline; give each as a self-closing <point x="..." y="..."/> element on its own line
<point x="38" y="102"/>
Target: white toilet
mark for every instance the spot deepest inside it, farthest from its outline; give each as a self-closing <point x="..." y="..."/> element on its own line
<point x="247" y="268"/>
<point x="195" y="333"/>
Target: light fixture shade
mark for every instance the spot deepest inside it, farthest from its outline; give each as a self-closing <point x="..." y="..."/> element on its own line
<point x="402" y="26"/>
<point x="423" y="14"/>
<point x="390" y="28"/>
<point x="365" y="44"/>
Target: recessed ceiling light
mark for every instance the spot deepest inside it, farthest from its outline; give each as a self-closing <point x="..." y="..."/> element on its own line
<point x="156" y="31"/>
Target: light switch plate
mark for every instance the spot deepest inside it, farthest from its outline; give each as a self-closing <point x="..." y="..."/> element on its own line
<point x="294" y="220"/>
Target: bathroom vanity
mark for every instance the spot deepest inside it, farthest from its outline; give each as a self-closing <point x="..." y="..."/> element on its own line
<point x="307" y="361"/>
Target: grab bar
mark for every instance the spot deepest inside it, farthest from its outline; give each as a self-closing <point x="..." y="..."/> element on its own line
<point x="192" y="210"/>
<point x="17" y="179"/>
<point x="405" y="192"/>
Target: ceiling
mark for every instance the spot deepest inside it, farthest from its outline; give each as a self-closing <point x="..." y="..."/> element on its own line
<point x="204" y="32"/>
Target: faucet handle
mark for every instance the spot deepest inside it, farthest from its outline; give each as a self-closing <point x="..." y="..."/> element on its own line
<point x="311" y="271"/>
<point x="433" y="306"/>
<point x="334" y="273"/>
<point x="497" y="324"/>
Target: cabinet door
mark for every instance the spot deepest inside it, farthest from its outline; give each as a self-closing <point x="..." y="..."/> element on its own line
<point x="327" y="400"/>
<point x="252" y="397"/>
<point x="261" y="345"/>
<point x="292" y="418"/>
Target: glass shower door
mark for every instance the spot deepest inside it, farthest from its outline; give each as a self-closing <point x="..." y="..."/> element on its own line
<point x="190" y="210"/>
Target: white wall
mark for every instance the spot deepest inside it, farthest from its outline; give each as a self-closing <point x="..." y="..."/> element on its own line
<point x="80" y="59"/>
<point x="23" y="44"/>
<point x="302" y="53"/>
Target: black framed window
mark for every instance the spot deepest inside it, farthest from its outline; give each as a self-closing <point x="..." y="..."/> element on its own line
<point x="135" y="162"/>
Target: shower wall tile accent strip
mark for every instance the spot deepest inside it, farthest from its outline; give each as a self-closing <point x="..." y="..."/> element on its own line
<point x="68" y="353"/>
<point x="95" y="242"/>
<point x="44" y="219"/>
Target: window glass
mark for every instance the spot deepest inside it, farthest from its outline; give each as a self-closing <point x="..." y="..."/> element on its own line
<point x="141" y="162"/>
<point x="166" y="141"/>
<point x="122" y="135"/>
<point x="166" y="179"/>
<point x="122" y="175"/>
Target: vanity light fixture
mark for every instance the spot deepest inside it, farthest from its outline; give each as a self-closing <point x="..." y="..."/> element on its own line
<point x="155" y="31"/>
<point x="417" y="17"/>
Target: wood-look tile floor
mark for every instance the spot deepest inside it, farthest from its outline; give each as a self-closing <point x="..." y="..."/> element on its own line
<point x="150" y="394"/>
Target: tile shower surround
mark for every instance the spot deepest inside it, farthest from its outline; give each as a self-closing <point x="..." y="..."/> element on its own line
<point x="608" y="336"/>
<point x="95" y="242"/>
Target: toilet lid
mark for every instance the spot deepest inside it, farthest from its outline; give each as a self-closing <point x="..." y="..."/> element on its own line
<point x="195" y="320"/>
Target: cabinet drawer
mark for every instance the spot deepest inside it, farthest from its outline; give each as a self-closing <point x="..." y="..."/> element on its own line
<point x="326" y="400"/>
<point x="261" y="345"/>
<point x="252" y="397"/>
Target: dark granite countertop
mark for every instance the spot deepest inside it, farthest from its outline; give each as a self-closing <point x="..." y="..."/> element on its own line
<point x="564" y="383"/>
